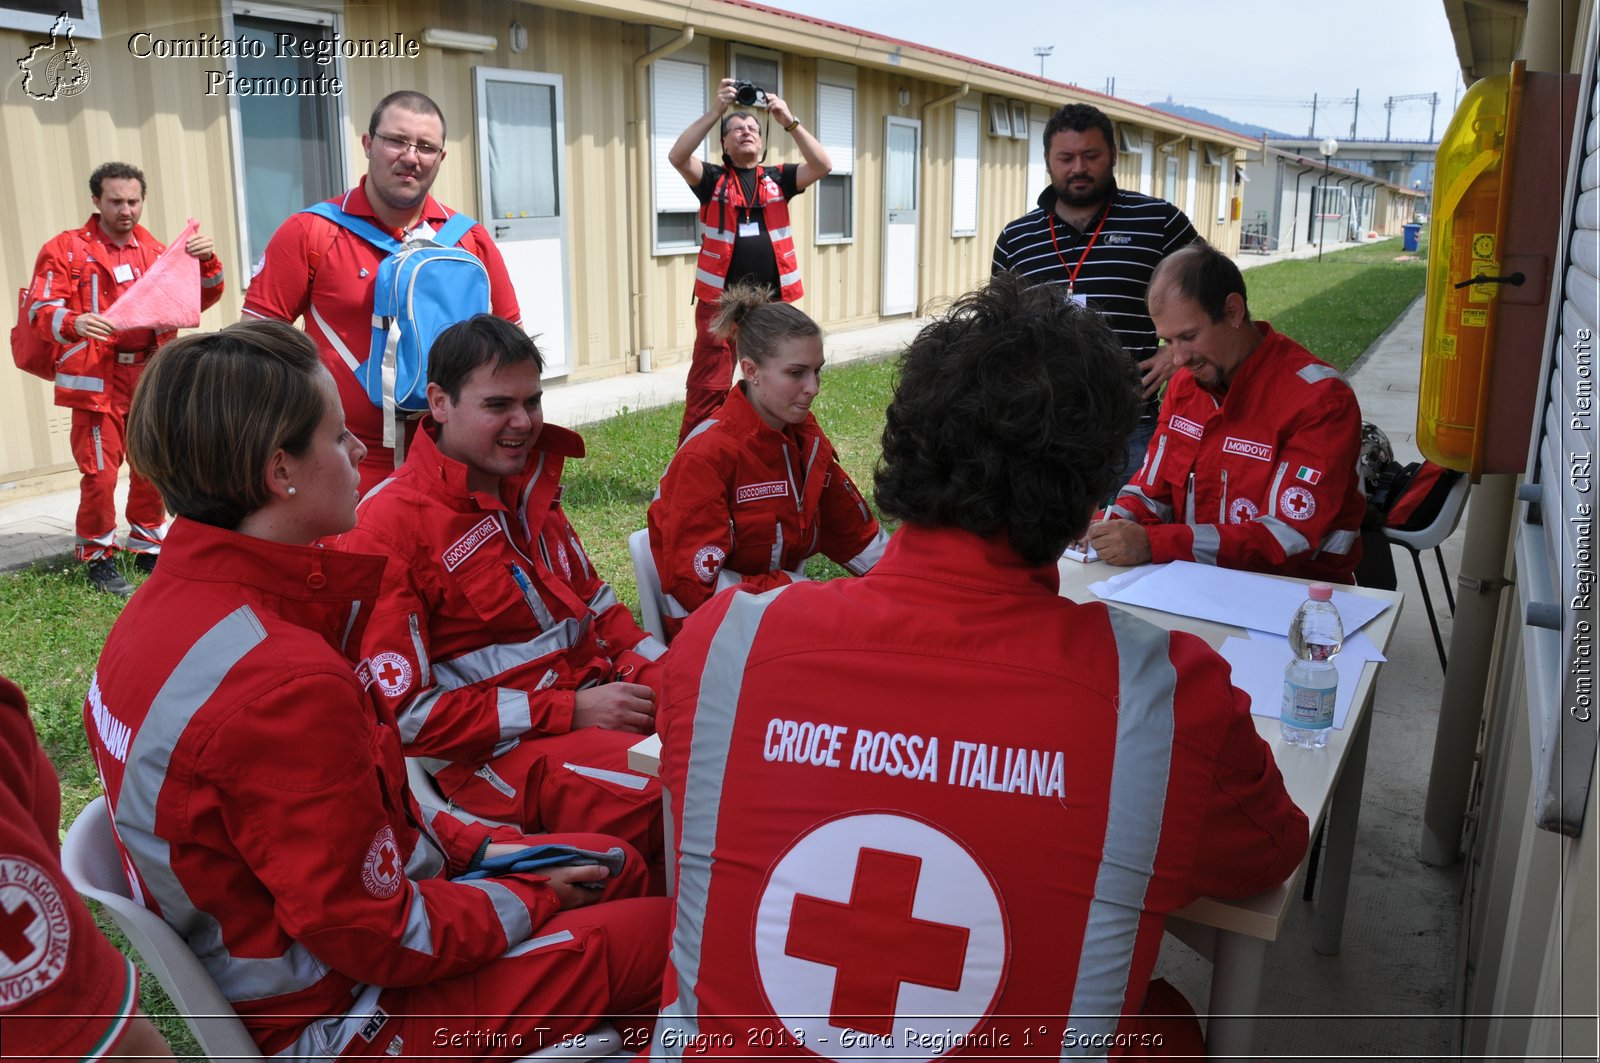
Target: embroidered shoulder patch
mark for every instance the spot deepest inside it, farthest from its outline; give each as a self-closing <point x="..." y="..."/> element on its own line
<point x="381" y="871"/>
<point x="463" y="547"/>
<point x="35" y="931"/>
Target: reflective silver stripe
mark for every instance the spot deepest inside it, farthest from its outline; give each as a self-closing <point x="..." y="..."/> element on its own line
<point x="417" y="934"/>
<point x="1207" y="539"/>
<point x="1118" y="511"/>
<point x="862" y="563"/>
<point x="696" y="430"/>
<point x="412" y="717"/>
<point x="333" y="339"/>
<point x="603" y="599"/>
<point x="786" y="279"/>
<point x="674" y="608"/>
<point x="1140" y="767"/>
<point x="720" y="682"/>
<point x="1272" y="492"/>
<point x="349" y="626"/>
<point x="650" y="648"/>
<point x="80" y="383"/>
<point x="727" y="578"/>
<point x="710" y="279"/>
<point x="543" y="941"/>
<point x="94" y="292"/>
<point x="1291" y="541"/>
<point x="190" y="686"/>
<point x="515" y="922"/>
<point x="99" y="451"/>
<point x="620" y="778"/>
<point x="721" y="236"/>
<point x="527" y="493"/>
<point x="56" y="320"/>
<point x="784" y="233"/>
<point x="1155" y="463"/>
<point x="1339" y="542"/>
<point x="425" y="861"/>
<point x="511" y="706"/>
<point x="484" y="664"/>
<point x="1316" y="373"/>
<point x="583" y="558"/>
<point x="775" y="562"/>
<point x="147" y="533"/>
<point x="327" y="1037"/>
<point x="211" y="282"/>
<point x="1160" y="510"/>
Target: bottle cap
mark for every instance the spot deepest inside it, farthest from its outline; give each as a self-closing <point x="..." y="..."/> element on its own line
<point x="1321" y="592"/>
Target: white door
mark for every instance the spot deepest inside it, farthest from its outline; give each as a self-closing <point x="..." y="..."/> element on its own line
<point x="522" y="173"/>
<point x="901" y="193"/>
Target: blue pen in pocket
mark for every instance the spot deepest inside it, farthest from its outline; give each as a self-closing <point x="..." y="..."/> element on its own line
<point x="524" y="585"/>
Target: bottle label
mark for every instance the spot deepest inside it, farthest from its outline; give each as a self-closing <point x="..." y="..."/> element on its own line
<point x="1308" y="708"/>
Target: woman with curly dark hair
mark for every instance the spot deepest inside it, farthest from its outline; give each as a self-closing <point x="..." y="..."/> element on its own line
<point x="757" y="489"/>
<point x="948" y="767"/>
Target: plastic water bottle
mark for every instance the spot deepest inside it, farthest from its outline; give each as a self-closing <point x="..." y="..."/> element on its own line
<point x="1310" y="681"/>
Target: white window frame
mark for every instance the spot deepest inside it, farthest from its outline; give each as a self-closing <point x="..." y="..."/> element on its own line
<point x="1130" y="140"/>
<point x="665" y="181"/>
<point x="1222" y="159"/>
<point x="1019" y="120"/>
<point x="767" y="54"/>
<point x="964" y="178"/>
<point x="841" y="149"/>
<point x="1190" y="190"/>
<point x="999" y="117"/>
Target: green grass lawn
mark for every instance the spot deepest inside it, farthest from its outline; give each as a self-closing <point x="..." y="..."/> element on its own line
<point x="1336" y="308"/>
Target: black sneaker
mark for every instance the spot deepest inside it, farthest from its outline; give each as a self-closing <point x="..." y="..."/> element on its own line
<point x="145" y="562"/>
<point x="104" y="577"/>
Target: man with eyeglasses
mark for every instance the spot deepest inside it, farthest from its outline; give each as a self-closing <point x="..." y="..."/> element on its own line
<point x="319" y="271"/>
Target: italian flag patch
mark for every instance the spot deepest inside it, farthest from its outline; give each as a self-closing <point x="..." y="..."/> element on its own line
<point x="1308" y="474"/>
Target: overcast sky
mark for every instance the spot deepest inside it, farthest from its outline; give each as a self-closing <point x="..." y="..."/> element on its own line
<point x="1274" y="54"/>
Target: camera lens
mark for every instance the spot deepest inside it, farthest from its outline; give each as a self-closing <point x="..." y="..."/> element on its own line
<point x="746" y="95"/>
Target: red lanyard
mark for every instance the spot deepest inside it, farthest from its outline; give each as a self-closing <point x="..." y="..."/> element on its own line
<point x="1072" y="274"/>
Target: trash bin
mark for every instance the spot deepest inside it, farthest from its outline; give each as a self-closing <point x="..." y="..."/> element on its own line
<point x="1409" y="240"/>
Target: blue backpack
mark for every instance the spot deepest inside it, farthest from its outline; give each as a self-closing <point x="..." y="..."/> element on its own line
<point x="423" y="288"/>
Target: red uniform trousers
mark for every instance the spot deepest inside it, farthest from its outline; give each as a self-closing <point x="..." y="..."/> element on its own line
<point x="578" y="781"/>
<point x="98" y="447"/>
<point x="602" y="961"/>
<point x="710" y="370"/>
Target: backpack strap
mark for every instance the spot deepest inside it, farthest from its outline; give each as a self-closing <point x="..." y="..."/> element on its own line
<point x="452" y="231"/>
<point x="360" y="226"/>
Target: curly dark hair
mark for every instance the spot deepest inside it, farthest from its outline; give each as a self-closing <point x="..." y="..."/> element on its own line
<point x="115" y="171"/>
<point x="1011" y="415"/>
<point x="1080" y="118"/>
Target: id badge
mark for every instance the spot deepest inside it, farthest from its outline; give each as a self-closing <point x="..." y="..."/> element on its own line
<point x="123" y="273"/>
<point x="1080" y="299"/>
<point x="750" y="228"/>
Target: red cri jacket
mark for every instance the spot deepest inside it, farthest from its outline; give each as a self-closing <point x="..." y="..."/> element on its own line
<point x="53" y="961"/>
<point x="1260" y="477"/>
<point x="261" y="803"/>
<point x="491" y="616"/>
<point x="892" y="792"/>
<point x="743" y="504"/>
<point x="75" y="274"/>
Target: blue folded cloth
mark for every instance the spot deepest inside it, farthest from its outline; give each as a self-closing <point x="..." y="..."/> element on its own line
<point x="537" y="857"/>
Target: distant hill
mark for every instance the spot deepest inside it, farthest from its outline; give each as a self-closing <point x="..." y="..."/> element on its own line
<point x="1200" y="114"/>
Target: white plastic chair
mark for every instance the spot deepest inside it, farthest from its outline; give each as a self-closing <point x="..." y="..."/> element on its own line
<point x="651" y="600"/>
<point x="1430" y="538"/>
<point x="94" y="867"/>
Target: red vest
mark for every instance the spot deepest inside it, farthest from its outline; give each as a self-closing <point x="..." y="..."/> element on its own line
<point x="719" y="220"/>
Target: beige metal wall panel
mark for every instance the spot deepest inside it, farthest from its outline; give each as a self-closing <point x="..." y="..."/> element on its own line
<point x="153" y="113"/>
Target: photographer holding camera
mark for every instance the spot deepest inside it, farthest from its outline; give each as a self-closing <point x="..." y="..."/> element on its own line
<point x="744" y="217"/>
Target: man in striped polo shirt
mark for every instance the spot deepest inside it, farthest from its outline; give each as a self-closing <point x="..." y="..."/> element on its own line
<point x="1101" y="243"/>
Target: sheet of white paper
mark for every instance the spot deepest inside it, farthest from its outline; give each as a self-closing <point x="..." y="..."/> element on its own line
<point x="1073" y="554"/>
<point x="1258" y="663"/>
<point x="1227" y="596"/>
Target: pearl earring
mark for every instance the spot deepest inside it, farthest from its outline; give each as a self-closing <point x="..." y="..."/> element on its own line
<point x="292" y="492"/>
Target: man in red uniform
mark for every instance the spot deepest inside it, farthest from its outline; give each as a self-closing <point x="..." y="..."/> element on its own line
<point x="1253" y="464"/>
<point x="511" y="665"/>
<point x="745" y="236"/>
<point x="53" y="961"/>
<point x="892" y="790"/>
<point x="77" y="277"/>
<point x="318" y="270"/>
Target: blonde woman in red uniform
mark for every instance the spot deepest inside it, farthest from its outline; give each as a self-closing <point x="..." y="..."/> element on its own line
<point x="757" y="489"/>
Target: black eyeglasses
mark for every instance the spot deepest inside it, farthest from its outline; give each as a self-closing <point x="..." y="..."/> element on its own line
<point x="398" y="146"/>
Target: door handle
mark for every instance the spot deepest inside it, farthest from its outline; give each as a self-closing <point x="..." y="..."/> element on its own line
<point x="501" y="230"/>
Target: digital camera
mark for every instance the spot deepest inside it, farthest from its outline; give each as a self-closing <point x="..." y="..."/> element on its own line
<point x="749" y="94"/>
